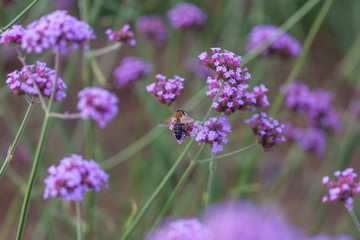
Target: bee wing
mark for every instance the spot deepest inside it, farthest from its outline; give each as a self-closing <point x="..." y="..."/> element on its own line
<point x="167" y="122"/>
<point x="186" y="119"/>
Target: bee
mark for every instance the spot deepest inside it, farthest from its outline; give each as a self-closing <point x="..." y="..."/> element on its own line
<point x="177" y="121"/>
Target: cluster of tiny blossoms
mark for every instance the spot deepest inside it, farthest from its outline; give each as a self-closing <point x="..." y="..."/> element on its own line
<point x="267" y="129"/>
<point x="131" y="69"/>
<point x="186" y="16"/>
<point x="166" y="90"/>
<point x="57" y="31"/>
<point x="344" y="189"/>
<point x="123" y="35"/>
<point x="21" y="82"/>
<point x="98" y="104"/>
<point x="73" y="177"/>
<point x="153" y="29"/>
<point x="284" y="44"/>
<point x="12" y="36"/>
<point x="214" y="132"/>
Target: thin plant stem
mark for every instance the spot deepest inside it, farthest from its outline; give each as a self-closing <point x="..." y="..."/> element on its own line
<point x="65" y="115"/>
<point x="104" y="50"/>
<point x="79" y="221"/>
<point x="211" y="180"/>
<point x="53" y="91"/>
<point x="12" y="147"/>
<point x="215" y="99"/>
<point x="354" y="218"/>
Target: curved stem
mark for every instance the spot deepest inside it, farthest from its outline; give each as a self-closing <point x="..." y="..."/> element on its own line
<point x="79" y="221"/>
<point x="12" y="147"/>
<point x="210" y="185"/>
<point x="104" y="50"/>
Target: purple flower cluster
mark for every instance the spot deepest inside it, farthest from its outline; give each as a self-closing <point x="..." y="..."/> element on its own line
<point x="267" y="129"/>
<point x="131" y="69"/>
<point x="12" y="36"/>
<point x="344" y="189"/>
<point x="153" y="29"/>
<point x="284" y="44"/>
<point x="57" y="31"/>
<point x="234" y="94"/>
<point x="98" y="104"/>
<point x="21" y="82"/>
<point x="73" y="177"/>
<point x="189" y="129"/>
<point x="186" y="15"/>
<point x="166" y="90"/>
<point x="182" y="229"/>
<point x="214" y="132"/>
<point x="123" y="35"/>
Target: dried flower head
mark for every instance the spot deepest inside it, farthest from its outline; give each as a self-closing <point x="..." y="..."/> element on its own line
<point x="98" y="104"/>
<point x="344" y="189"/>
<point x="284" y="44"/>
<point x="186" y="15"/>
<point x="131" y="69"/>
<point x="267" y="129"/>
<point x="57" y="31"/>
<point x="152" y="29"/>
<point x="214" y="132"/>
<point x="166" y="90"/>
<point x="123" y="35"/>
<point x="73" y="177"/>
<point x="21" y="82"/>
<point x="12" y="36"/>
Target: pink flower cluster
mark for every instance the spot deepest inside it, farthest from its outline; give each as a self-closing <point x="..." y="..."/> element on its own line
<point x="186" y="15"/>
<point x="21" y="82"/>
<point x="57" y="31"/>
<point x="267" y="129"/>
<point x="73" y="177"/>
<point x="12" y="36"/>
<point x="284" y="44"/>
<point x="344" y="189"/>
<point x="123" y="35"/>
<point x="98" y="104"/>
<point x="131" y="69"/>
<point x="214" y="132"/>
<point x="166" y="90"/>
<point x="189" y="129"/>
<point x="152" y="29"/>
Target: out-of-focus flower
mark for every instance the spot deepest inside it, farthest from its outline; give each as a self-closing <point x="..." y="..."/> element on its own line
<point x="123" y="35"/>
<point x="166" y="90"/>
<point x="245" y="221"/>
<point x="20" y="82"/>
<point x="297" y="95"/>
<point x="64" y="4"/>
<point x="98" y="104"/>
<point x="186" y="15"/>
<point x="214" y="132"/>
<point x="267" y="129"/>
<point x="344" y="189"/>
<point x="73" y="177"/>
<point x="200" y="70"/>
<point x="284" y="44"/>
<point x="182" y="229"/>
<point x="338" y="237"/>
<point x="12" y="36"/>
<point x="131" y="69"/>
<point x="152" y="29"/>
<point x="57" y="31"/>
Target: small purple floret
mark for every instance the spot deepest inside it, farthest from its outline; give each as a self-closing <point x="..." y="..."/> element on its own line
<point x="123" y="35"/>
<point x="12" y="36"/>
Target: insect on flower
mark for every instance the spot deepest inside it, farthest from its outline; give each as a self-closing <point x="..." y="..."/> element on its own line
<point x="177" y="123"/>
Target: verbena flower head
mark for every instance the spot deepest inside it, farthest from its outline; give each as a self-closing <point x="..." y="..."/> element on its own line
<point x="57" y="31"/>
<point x="284" y="44"/>
<point x="98" y="104"/>
<point x="297" y="95"/>
<point x="344" y="189"/>
<point x="214" y="132"/>
<point x="182" y="229"/>
<point x="73" y="177"/>
<point x="131" y="69"/>
<point x="245" y="221"/>
<point x="12" y="36"/>
<point x="189" y="129"/>
<point x="267" y="129"/>
<point x="186" y="15"/>
<point x="20" y="82"/>
<point x="152" y="29"/>
<point x="166" y="90"/>
<point x="123" y="35"/>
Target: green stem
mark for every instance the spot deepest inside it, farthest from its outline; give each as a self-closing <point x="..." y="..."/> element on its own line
<point x="305" y="50"/>
<point x="210" y="185"/>
<point x="215" y="99"/>
<point x="10" y="153"/>
<point x="104" y="50"/>
<point x="354" y="218"/>
<point x="155" y="194"/>
<point x="20" y="15"/>
<point x="79" y="221"/>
